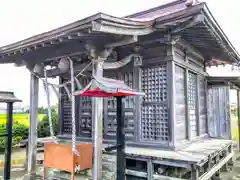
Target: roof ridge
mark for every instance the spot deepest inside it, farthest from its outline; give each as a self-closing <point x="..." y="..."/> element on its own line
<point x="155" y="8"/>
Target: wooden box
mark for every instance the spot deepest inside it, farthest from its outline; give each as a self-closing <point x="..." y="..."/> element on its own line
<point x="60" y="156"/>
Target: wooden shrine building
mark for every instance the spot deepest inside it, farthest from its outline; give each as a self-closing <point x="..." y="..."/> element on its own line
<point x="163" y="52"/>
<point x="222" y="123"/>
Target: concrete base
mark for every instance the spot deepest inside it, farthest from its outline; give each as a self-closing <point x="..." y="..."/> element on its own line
<point x="30" y="177"/>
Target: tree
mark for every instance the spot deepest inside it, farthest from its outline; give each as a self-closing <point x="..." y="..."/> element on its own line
<point x="43" y="126"/>
<point x="42" y="110"/>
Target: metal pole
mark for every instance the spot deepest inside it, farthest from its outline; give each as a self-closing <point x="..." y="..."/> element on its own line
<point x="8" y="148"/>
<point x="32" y="133"/>
<point x="120" y="140"/>
<point x="97" y="121"/>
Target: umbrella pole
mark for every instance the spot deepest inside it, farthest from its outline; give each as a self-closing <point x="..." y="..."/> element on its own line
<point x="8" y="148"/>
<point x="120" y="140"/>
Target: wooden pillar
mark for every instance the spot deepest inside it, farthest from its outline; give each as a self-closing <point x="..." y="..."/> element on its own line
<point x="60" y="108"/>
<point x="171" y="91"/>
<point x="32" y="134"/>
<point x="188" y="133"/>
<point x="229" y="113"/>
<point x="238" y="111"/>
<point x="150" y="170"/>
<point x="137" y="76"/>
<point x="198" y="107"/>
<point x="172" y="101"/>
<point x="206" y="99"/>
<point x="97" y="120"/>
<point x="194" y="173"/>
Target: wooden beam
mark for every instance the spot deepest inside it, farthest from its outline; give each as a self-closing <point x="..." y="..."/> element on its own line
<point x="190" y="49"/>
<point x="57" y="51"/>
<point x="152" y="38"/>
<point x="110" y="28"/>
<point x="190" y="66"/>
<point x="215" y="168"/>
<point x="161" y="177"/>
<point x="136" y="173"/>
<point x="46" y="42"/>
<point x="191" y="22"/>
<point x="124" y="41"/>
<point x="47" y="53"/>
<point x="221" y="41"/>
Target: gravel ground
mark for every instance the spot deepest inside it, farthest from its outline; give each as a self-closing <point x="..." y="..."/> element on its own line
<point x="234" y="174"/>
<point x="18" y="172"/>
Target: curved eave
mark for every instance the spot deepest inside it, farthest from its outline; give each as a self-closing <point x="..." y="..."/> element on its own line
<point x="208" y="43"/>
<point x="96" y="26"/>
<point x="197" y="26"/>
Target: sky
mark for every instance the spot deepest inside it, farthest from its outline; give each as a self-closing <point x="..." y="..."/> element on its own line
<point x="25" y="18"/>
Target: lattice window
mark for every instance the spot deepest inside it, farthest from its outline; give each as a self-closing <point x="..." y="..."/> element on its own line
<point x="154" y="84"/>
<point x="66" y="111"/>
<point x="154" y="121"/>
<point x="85" y="110"/>
<point x="110" y="115"/>
<point x="192" y="103"/>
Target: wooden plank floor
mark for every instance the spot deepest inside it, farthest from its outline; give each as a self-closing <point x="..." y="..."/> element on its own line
<point x="196" y="152"/>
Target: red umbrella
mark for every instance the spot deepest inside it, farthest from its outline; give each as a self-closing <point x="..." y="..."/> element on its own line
<point x="105" y="87"/>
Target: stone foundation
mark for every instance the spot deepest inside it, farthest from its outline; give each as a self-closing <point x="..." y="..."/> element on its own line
<point x="109" y="167"/>
<point x="108" y="171"/>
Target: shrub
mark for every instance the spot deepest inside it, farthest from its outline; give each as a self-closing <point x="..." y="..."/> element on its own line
<point x="43" y="126"/>
<point x="19" y="132"/>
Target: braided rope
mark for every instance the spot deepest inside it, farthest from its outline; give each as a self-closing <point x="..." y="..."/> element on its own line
<point x="46" y="85"/>
<point x="74" y="150"/>
<point x="48" y="104"/>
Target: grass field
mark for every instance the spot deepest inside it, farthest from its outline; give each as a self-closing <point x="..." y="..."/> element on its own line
<point x="20" y="118"/>
<point x="234" y="124"/>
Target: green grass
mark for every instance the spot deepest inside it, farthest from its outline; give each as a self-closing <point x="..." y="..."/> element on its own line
<point x="234" y="124"/>
<point x="19" y="118"/>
